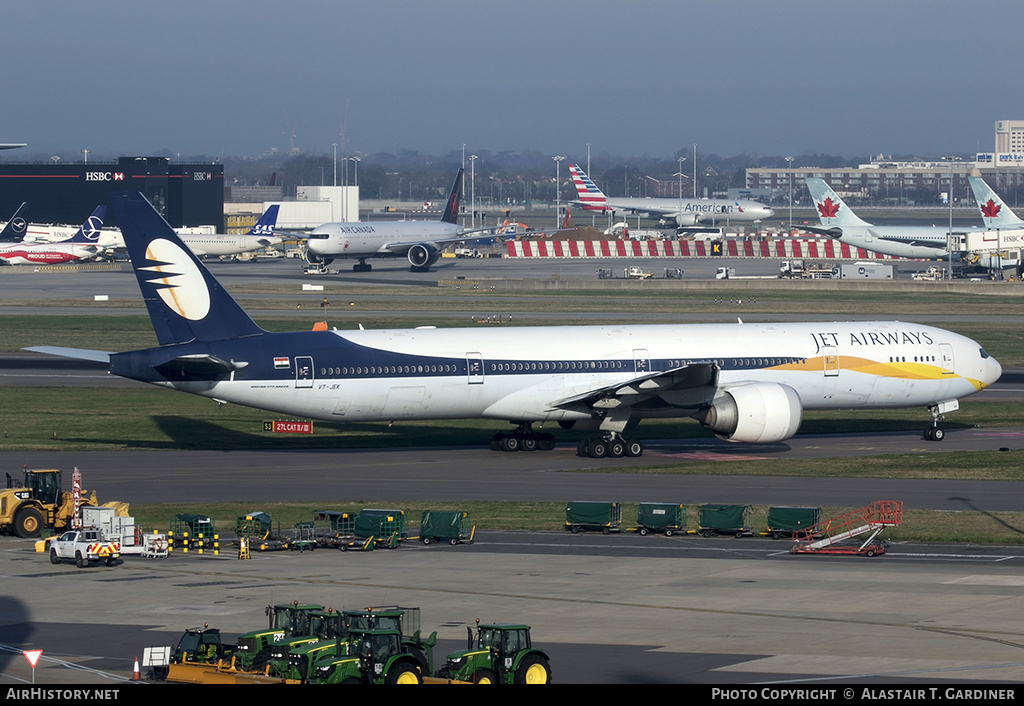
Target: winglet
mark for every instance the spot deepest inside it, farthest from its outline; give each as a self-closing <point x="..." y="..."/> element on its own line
<point x="185" y="302"/>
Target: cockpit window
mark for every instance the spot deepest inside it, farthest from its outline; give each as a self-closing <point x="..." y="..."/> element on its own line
<point x="984" y="353"/>
<point x="319" y="236"/>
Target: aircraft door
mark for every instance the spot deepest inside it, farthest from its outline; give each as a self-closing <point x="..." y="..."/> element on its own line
<point x="946" y="351"/>
<point x="474" y="368"/>
<point x="641" y="361"/>
<point x="830" y="356"/>
<point x="303" y="371"/>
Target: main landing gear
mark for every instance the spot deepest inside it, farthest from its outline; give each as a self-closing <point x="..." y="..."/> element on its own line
<point x="362" y="266"/>
<point x="934" y="432"/>
<point x="522" y="438"/>
<point x="614" y="446"/>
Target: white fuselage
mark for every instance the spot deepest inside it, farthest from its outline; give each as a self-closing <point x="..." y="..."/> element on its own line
<point x="201" y="244"/>
<point x="898" y="241"/>
<point x="376" y="238"/>
<point x="691" y="210"/>
<point x="523" y="373"/>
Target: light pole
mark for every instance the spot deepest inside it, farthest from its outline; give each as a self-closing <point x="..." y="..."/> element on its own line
<point x="472" y="186"/>
<point x="949" y="235"/>
<point x="681" y="160"/>
<point x="355" y="166"/>
<point x="789" y="168"/>
<point x="335" y="163"/>
<point x="558" y="192"/>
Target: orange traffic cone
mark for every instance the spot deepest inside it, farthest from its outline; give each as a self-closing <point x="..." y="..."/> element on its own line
<point x="135" y="674"/>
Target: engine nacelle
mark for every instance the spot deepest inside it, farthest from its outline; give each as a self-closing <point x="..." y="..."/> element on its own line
<point x="314" y="259"/>
<point x="423" y="255"/>
<point x="758" y="413"/>
<point x="687" y="219"/>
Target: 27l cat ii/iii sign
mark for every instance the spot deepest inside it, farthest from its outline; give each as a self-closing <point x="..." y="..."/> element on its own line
<point x="279" y="427"/>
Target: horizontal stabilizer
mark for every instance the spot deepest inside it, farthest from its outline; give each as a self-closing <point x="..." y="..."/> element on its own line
<point x="206" y="367"/>
<point x="75" y="353"/>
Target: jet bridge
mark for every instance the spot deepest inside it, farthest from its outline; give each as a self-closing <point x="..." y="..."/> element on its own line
<point x="998" y="249"/>
<point x="824" y="537"/>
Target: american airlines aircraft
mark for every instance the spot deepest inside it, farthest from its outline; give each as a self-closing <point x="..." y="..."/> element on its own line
<point x="420" y="242"/>
<point x="80" y="246"/>
<point x="748" y="383"/>
<point x="685" y="212"/>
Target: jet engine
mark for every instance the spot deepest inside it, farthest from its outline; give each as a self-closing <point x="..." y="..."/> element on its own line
<point x="757" y="413"/>
<point x="687" y="219"/>
<point x="314" y="259"/>
<point x="423" y="255"/>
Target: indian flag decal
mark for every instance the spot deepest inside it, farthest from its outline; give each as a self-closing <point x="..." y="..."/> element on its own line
<point x="281" y="363"/>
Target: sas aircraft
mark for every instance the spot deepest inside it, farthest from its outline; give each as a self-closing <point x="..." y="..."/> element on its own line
<point x="748" y="383"/>
<point x="80" y="246"/>
<point x="685" y="212"/>
<point x="420" y="242"/>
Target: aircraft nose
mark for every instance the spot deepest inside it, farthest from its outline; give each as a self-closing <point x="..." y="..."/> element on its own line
<point x="770" y="212"/>
<point x="991" y="371"/>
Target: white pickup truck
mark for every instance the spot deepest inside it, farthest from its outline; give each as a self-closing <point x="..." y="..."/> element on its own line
<point x="84" y="546"/>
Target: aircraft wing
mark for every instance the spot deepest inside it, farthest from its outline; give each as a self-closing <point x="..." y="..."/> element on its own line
<point x="830" y="232"/>
<point x="692" y="385"/>
<point x="938" y="245"/>
<point x="400" y="248"/>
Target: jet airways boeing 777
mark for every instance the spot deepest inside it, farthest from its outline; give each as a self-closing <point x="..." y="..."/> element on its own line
<point x="420" y="242"/>
<point x="748" y="383"/>
<point x="685" y="212"/>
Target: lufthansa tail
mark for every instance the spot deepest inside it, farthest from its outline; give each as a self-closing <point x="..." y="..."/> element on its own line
<point x="184" y="300"/>
<point x="14" y="231"/>
<point x="994" y="212"/>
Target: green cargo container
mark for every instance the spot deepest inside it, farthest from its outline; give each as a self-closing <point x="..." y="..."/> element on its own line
<point x="784" y="521"/>
<point x="342" y="523"/>
<point x="723" y="519"/>
<point x="373" y="522"/>
<point x="589" y="515"/>
<point x="446" y="526"/>
<point x="666" y="518"/>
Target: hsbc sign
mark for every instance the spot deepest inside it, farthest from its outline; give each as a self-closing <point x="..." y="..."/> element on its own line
<point x="104" y="176"/>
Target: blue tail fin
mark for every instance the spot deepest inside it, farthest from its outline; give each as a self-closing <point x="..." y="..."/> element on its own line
<point x="89" y="233"/>
<point x="267" y="222"/>
<point x="14" y="231"/>
<point x="185" y="302"/>
<point x="451" y="209"/>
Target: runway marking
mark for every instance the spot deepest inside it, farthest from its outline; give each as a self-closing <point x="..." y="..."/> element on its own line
<point x="999" y="433"/>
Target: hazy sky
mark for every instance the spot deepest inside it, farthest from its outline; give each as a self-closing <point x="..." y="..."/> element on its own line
<point x="234" y="77"/>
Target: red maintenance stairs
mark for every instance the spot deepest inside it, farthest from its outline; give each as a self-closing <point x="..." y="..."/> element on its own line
<point x="824" y="537"/>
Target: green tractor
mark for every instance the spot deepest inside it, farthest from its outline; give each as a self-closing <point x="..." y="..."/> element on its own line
<point x="379" y="657"/>
<point x="501" y="654"/>
<point x="295" y="658"/>
<point x="285" y="621"/>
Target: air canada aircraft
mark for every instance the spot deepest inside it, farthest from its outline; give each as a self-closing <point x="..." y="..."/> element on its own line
<point x="748" y="383"/>
<point x="685" y="212"/>
<point x="994" y="212"/>
<point x="80" y="246"/>
<point x="420" y="242"/>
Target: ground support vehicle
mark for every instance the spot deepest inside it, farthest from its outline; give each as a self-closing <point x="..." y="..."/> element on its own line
<point x="379" y="657"/>
<point x="500" y="654"/>
<point x="723" y="519"/>
<point x="192" y="532"/>
<point x="284" y="621"/>
<point x="376" y="528"/>
<point x="662" y="518"/>
<point x="114" y="528"/>
<point x="443" y="526"/>
<point x="341" y="527"/>
<point x="587" y="515"/>
<point x="303" y="537"/>
<point x="783" y="521"/>
<point x="84" y="547"/>
<point x="38" y="503"/>
<point x="826" y="537"/>
<point x="258" y="529"/>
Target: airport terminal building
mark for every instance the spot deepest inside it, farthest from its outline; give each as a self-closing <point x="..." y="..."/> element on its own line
<point x="67" y="192"/>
